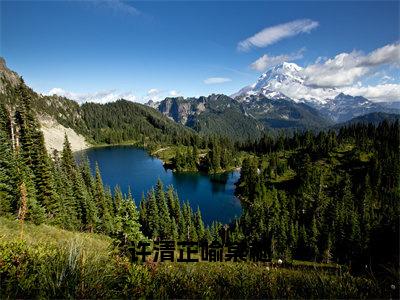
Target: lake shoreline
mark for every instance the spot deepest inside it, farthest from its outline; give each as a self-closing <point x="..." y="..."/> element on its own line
<point x="153" y="153"/>
<point x="134" y="168"/>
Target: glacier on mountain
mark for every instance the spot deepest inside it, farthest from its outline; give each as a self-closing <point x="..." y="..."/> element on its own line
<point x="286" y="80"/>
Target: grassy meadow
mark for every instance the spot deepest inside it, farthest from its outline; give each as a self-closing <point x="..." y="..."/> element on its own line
<point x="44" y="261"/>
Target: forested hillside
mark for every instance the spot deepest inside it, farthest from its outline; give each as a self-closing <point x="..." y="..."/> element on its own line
<point x="41" y="188"/>
<point x="123" y="121"/>
<point x="334" y="196"/>
<point x="215" y="114"/>
<point x="112" y="123"/>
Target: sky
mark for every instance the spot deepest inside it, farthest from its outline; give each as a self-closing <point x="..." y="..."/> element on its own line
<point x="141" y="50"/>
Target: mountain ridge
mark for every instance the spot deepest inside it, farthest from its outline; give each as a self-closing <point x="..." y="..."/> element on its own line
<point x="286" y="81"/>
<point x="90" y="123"/>
<point x="246" y="116"/>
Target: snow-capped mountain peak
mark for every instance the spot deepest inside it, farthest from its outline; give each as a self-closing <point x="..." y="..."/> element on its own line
<point x="282" y="73"/>
<point x="287" y="79"/>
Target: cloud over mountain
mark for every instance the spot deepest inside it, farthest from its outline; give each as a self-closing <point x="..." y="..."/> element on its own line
<point x="266" y="61"/>
<point x="351" y="73"/>
<point x="380" y="92"/>
<point x="347" y="68"/>
<point x="99" y="97"/>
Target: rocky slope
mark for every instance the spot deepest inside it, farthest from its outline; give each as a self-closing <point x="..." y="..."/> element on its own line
<point x="54" y="134"/>
<point x="345" y="107"/>
<point x="57" y="116"/>
<point x="215" y="114"/>
<point x="244" y="116"/>
<point x="283" y="112"/>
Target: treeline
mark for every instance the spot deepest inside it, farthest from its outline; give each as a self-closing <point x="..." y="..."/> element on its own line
<point x="163" y="216"/>
<point x="220" y="156"/>
<point x="125" y="121"/>
<point x="341" y="205"/>
<point x="317" y="143"/>
<point x="39" y="188"/>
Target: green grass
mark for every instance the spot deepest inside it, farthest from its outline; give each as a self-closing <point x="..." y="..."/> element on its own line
<point x="345" y="148"/>
<point x="10" y="230"/>
<point x="288" y="175"/>
<point x="166" y="154"/>
<point x="53" y="263"/>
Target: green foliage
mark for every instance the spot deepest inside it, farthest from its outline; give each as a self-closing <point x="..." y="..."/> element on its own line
<point x="188" y="161"/>
<point x="242" y="281"/>
<point x="54" y="263"/>
<point x="8" y="177"/>
<point x="36" y="188"/>
<point x="162" y="216"/>
<point x="123" y="120"/>
<point x="335" y="205"/>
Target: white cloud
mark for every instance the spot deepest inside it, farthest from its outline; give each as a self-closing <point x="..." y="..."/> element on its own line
<point x="347" y="68"/>
<point x="266" y="61"/>
<point x="271" y="35"/>
<point x="380" y="92"/>
<point x="119" y="6"/>
<point x="99" y="97"/>
<point x="389" y="54"/>
<point x="158" y="95"/>
<point x="153" y="92"/>
<point x="350" y="73"/>
<point x="386" y="79"/>
<point x="216" y="80"/>
<point x="174" y="93"/>
<point x="154" y="95"/>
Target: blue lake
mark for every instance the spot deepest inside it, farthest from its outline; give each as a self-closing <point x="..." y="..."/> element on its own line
<point x="133" y="167"/>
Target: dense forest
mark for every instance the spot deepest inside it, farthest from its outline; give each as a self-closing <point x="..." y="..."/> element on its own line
<point x="334" y="196"/>
<point x="123" y="121"/>
<point x="38" y="188"/>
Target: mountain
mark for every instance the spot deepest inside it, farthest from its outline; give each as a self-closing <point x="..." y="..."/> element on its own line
<point x="392" y="104"/>
<point x="57" y="116"/>
<point x="371" y="118"/>
<point x="90" y="123"/>
<point x="283" y="113"/>
<point x="123" y="120"/>
<point x="345" y="107"/>
<point x="287" y="81"/>
<point x="242" y="117"/>
<point x="215" y="114"/>
<point x="7" y="77"/>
